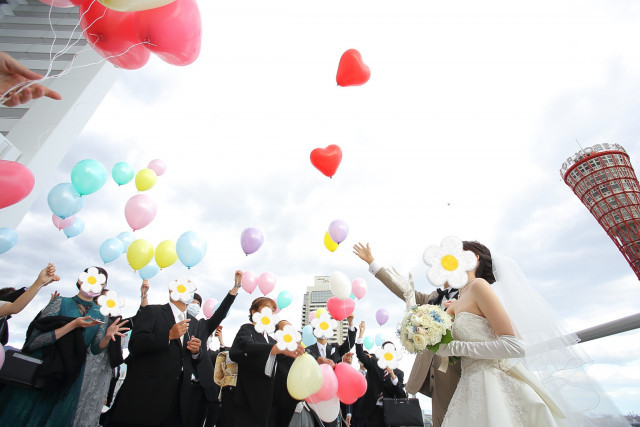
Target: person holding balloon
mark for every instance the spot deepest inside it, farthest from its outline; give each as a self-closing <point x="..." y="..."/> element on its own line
<point x="165" y="357"/>
<point x="331" y="353"/>
<point x="255" y="353"/>
<point x="65" y="329"/>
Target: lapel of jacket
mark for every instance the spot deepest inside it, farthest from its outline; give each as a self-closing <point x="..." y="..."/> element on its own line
<point x="170" y="320"/>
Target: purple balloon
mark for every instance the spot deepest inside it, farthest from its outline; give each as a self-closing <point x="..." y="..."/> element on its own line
<point x="338" y="231"/>
<point x="251" y="240"/>
<point x="382" y="315"/>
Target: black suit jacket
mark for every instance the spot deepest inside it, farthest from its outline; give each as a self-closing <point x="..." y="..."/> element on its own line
<point x="340" y="350"/>
<point x="254" y="390"/>
<point x="377" y="383"/>
<point x="158" y="370"/>
<point x="205" y="366"/>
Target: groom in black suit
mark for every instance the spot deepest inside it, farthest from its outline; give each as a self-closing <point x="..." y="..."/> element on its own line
<point x="164" y="358"/>
<point x="333" y="352"/>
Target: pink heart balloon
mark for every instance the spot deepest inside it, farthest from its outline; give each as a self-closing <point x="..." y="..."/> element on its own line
<point x="359" y="288"/>
<point x="139" y="211"/>
<point x="249" y="281"/>
<point x="329" y="386"/>
<point x="340" y="309"/>
<point x="351" y="383"/>
<point x="266" y="282"/>
<point x="62" y="223"/>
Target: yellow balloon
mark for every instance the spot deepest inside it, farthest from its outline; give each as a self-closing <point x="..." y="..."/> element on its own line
<point x="320" y="312"/>
<point x="134" y="5"/>
<point x="328" y="242"/>
<point x="146" y="179"/>
<point x="166" y="253"/>
<point x="139" y="253"/>
<point x="305" y="377"/>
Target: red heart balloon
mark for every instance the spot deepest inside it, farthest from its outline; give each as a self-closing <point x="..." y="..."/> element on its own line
<point x="340" y="309"/>
<point x="327" y="160"/>
<point x="352" y="71"/>
<point x="351" y="383"/>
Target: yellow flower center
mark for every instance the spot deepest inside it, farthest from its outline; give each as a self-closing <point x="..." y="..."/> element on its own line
<point x="265" y="320"/>
<point x="287" y="338"/>
<point x="324" y="325"/>
<point x="388" y="357"/>
<point x="181" y="288"/>
<point x="449" y="262"/>
<point x="92" y="280"/>
<point x="111" y="303"/>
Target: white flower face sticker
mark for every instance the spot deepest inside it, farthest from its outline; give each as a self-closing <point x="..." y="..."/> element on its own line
<point x="92" y="280"/>
<point x="449" y="263"/>
<point x="388" y="356"/>
<point x="182" y="290"/>
<point x="323" y="326"/>
<point x="110" y="304"/>
<point x="265" y="320"/>
<point x="288" y="338"/>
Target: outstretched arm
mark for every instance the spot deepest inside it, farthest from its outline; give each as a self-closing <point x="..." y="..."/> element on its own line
<point x="46" y="276"/>
<point x="219" y="315"/>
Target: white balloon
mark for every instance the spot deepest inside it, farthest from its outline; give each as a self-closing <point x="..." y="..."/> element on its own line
<point x="340" y="285"/>
<point x="327" y="410"/>
<point x="134" y="5"/>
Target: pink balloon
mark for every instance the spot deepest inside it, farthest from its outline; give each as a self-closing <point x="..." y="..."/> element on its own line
<point x="16" y="182"/>
<point x="329" y="385"/>
<point x="174" y="31"/>
<point x="139" y="211"/>
<point x="266" y="282"/>
<point x="312" y="316"/>
<point x="113" y="35"/>
<point x="249" y="281"/>
<point x="340" y="309"/>
<point x="158" y="166"/>
<point x="208" y="307"/>
<point x="359" y="288"/>
<point x="351" y="383"/>
<point x="58" y="3"/>
<point x="62" y="223"/>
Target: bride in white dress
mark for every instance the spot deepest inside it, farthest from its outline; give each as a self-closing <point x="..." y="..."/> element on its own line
<point x="492" y="390"/>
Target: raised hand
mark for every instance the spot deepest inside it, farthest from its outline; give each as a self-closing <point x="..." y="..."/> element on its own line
<point x="116" y="329"/>
<point x="54" y="295"/>
<point x="144" y="288"/>
<point x="48" y="275"/>
<point x="364" y="252"/>
<point x="362" y="327"/>
<point x="179" y="329"/>
<point x="406" y="285"/>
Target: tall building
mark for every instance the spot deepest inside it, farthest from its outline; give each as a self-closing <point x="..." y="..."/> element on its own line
<point x="39" y="134"/>
<point x="604" y="180"/>
<point x="316" y="297"/>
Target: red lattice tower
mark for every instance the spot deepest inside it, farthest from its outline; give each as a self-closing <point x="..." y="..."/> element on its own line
<point x="604" y="180"/>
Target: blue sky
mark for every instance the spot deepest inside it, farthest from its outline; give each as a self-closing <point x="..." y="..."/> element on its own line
<point x="469" y="113"/>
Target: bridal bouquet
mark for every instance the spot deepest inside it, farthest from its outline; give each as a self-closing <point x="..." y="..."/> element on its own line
<point x="425" y="327"/>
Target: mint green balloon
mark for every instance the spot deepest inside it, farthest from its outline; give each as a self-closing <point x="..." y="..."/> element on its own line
<point x="122" y="173"/>
<point x="88" y="176"/>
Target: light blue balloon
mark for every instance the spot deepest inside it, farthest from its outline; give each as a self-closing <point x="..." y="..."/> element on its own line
<point x="122" y="173"/>
<point x="352" y="296"/>
<point x="111" y="249"/>
<point x="8" y="239"/>
<point x="191" y="248"/>
<point x="368" y="342"/>
<point x="284" y="299"/>
<point x="74" y="229"/>
<point x="149" y="270"/>
<point x="64" y="201"/>
<point x="379" y="339"/>
<point x="88" y="176"/>
<point x="307" y="336"/>
<point x="126" y="237"/>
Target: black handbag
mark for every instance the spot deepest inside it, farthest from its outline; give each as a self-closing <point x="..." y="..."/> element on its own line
<point x="402" y="412"/>
<point x="20" y="369"/>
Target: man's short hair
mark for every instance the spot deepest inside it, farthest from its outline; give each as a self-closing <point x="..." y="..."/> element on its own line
<point x="197" y="298"/>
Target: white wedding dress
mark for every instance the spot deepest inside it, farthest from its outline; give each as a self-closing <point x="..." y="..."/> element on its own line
<point x="488" y="394"/>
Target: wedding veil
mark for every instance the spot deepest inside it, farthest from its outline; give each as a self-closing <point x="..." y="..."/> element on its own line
<point x="552" y="353"/>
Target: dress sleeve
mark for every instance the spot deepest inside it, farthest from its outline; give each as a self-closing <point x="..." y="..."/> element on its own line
<point x="95" y="344"/>
<point x="38" y="339"/>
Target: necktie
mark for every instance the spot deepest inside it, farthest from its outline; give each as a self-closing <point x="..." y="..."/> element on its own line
<point x="381" y="397"/>
<point x="181" y="318"/>
<point x="323" y="352"/>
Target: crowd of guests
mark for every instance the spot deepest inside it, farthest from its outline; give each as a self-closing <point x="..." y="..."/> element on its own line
<point x="172" y="376"/>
